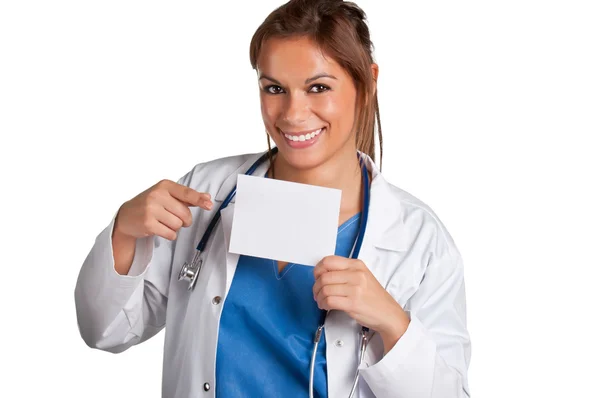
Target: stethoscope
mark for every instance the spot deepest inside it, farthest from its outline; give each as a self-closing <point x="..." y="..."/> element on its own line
<point x="190" y="271"/>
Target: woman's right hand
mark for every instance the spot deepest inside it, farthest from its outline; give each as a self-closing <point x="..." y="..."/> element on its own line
<point x="160" y="210"/>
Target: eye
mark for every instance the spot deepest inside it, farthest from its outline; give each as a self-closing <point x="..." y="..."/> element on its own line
<point x="273" y="89"/>
<point x="320" y="88"/>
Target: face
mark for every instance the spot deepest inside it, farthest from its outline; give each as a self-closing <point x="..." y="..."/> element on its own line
<point x="307" y="102"/>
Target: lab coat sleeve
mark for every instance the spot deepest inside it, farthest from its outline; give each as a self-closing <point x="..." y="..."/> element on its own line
<point x="115" y="312"/>
<point x="432" y="357"/>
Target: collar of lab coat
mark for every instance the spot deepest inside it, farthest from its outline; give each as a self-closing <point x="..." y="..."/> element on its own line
<point x="385" y="225"/>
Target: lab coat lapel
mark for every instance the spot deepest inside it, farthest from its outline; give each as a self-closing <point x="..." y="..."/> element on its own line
<point x="385" y="229"/>
<point x="384" y="234"/>
<point x="231" y="259"/>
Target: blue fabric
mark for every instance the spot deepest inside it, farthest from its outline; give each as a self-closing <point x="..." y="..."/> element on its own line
<point x="267" y="328"/>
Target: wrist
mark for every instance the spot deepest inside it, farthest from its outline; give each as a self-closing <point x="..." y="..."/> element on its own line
<point x="117" y="233"/>
<point x="393" y="330"/>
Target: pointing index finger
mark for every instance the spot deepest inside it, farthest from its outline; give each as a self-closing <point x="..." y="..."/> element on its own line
<point x="188" y="195"/>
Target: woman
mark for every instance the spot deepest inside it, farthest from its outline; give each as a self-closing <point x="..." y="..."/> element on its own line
<point x="247" y="328"/>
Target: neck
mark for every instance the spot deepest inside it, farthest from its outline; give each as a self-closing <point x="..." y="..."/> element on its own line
<point x="342" y="172"/>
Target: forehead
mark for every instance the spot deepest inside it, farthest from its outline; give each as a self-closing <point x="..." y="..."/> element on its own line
<point x="295" y="58"/>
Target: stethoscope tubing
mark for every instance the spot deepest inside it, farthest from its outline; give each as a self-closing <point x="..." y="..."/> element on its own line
<point x="191" y="272"/>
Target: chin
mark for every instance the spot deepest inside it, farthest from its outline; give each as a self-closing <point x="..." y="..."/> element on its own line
<point x="302" y="161"/>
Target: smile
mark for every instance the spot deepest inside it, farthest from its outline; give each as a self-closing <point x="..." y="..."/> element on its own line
<point x="302" y="136"/>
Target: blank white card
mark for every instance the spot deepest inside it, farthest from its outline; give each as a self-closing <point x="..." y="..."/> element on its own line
<point x="284" y="221"/>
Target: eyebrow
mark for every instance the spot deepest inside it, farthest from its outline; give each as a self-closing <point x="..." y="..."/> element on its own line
<point x="310" y="79"/>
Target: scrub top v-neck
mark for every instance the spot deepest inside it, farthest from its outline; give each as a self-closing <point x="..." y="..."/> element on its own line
<point x="267" y="328"/>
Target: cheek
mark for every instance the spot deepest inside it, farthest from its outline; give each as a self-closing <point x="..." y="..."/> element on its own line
<point x="338" y="110"/>
<point x="270" y="108"/>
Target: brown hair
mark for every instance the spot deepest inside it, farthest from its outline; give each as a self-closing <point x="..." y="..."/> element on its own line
<point x="340" y="30"/>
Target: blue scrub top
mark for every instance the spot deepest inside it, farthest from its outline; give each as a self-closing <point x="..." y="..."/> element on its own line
<point x="267" y="328"/>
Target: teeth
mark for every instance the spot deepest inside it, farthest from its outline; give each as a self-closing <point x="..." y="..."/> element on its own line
<point x="303" y="137"/>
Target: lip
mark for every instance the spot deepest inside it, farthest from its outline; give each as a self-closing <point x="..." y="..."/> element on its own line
<point x="302" y="144"/>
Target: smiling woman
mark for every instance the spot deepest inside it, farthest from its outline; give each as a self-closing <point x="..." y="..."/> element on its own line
<point x="316" y="72"/>
<point x="303" y="91"/>
<point x="388" y="306"/>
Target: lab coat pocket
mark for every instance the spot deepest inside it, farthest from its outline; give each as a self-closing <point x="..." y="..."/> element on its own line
<point x="374" y="352"/>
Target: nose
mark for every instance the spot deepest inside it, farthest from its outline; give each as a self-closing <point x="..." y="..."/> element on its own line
<point x="296" y="109"/>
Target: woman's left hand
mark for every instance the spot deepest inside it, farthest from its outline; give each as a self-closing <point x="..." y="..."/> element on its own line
<point x="348" y="285"/>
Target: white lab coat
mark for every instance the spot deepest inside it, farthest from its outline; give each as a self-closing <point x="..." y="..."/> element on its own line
<point x="405" y="246"/>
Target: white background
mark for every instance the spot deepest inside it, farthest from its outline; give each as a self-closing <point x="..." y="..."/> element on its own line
<point x="490" y="113"/>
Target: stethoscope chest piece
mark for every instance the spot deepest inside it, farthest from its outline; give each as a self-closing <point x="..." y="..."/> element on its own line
<point x="190" y="272"/>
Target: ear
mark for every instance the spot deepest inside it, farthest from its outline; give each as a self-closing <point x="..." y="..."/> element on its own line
<point x="375" y="72"/>
<point x="373" y="88"/>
